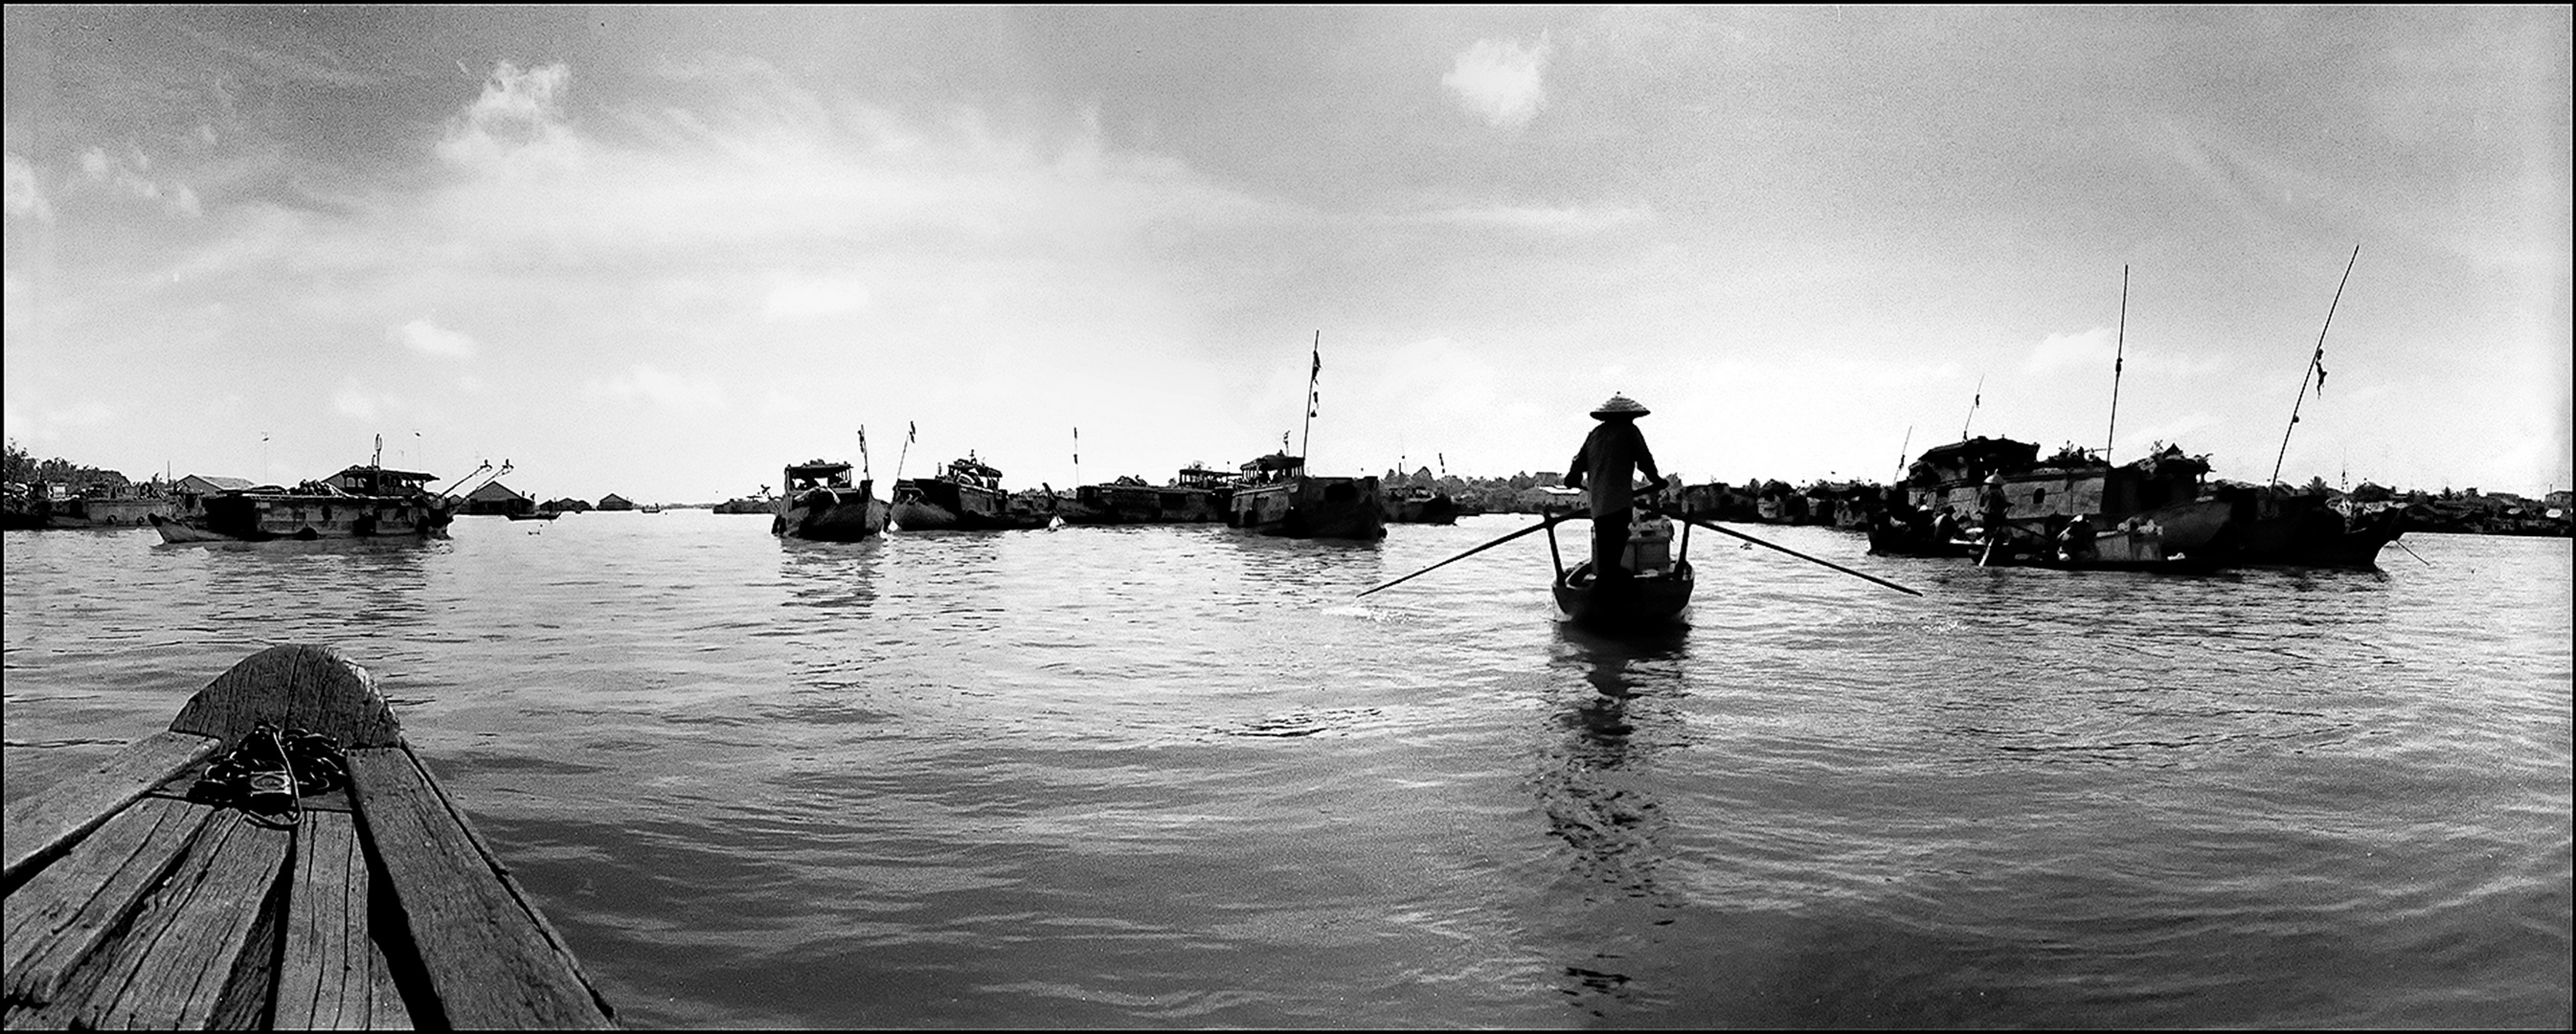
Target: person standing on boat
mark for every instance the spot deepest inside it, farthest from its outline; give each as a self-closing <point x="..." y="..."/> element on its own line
<point x="1993" y="505"/>
<point x="1610" y="458"/>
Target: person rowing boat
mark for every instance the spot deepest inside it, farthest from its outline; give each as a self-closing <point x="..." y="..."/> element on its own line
<point x="1609" y="459"/>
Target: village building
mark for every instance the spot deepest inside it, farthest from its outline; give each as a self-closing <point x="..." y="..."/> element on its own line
<point x="497" y="499"/>
<point x="613" y="501"/>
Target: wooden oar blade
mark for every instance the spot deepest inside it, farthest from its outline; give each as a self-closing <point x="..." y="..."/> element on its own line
<point x="1462" y="556"/>
<point x="1769" y="545"/>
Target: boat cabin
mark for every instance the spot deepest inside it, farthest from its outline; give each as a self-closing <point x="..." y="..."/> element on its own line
<point x="381" y="481"/>
<point x="1273" y="468"/>
<point x="817" y="474"/>
<point x="970" y="471"/>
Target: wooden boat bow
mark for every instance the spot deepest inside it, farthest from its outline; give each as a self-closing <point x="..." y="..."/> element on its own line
<point x="128" y="904"/>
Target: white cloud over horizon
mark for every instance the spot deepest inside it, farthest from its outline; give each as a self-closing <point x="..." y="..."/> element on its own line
<point x="430" y="339"/>
<point x="1501" y="80"/>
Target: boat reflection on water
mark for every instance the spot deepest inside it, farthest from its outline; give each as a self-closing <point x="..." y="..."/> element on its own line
<point x="829" y="575"/>
<point x="1596" y="783"/>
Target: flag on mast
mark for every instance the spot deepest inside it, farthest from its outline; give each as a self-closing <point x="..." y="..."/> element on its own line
<point x="1313" y="375"/>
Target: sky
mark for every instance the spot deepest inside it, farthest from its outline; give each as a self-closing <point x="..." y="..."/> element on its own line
<point x="666" y="251"/>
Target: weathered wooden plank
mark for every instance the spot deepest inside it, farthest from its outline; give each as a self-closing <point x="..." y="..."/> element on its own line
<point x="42" y="826"/>
<point x="333" y="977"/>
<point x="61" y="915"/>
<point x="489" y="956"/>
<point x="172" y="968"/>
<point x="310" y="687"/>
<point x="385" y="1009"/>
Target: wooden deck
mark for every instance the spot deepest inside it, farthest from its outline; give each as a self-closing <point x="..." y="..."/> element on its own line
<point x="130" y="906"/>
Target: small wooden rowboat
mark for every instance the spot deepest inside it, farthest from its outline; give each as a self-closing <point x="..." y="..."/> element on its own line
<point x="129" y="904"/>
<point x="1626" y="603"/>
<point x="1653" y="594"/>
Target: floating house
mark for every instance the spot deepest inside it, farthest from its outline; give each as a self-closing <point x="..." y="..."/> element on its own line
<point x="497" y="500"/>
<point x="613" y="501"/>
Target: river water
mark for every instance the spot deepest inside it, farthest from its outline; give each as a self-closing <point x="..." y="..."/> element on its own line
<point x="1183" y="777"/>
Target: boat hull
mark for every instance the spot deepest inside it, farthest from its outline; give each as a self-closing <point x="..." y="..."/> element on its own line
<point x="2304" y="530"/>
<point x="831" y="514"/>
<point x="1634" y="603"/>
<point x="937" y="504"/>
<point x="265" y="517"/>
<point x="1435" y="509"/>
<point x="1140" y="504"/>
<point x="1310" y="507"/>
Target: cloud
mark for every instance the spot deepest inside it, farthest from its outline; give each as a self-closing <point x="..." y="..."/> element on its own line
<point x="517" y="115"/>
<point x="353" y="400"/>
<point x="1571" y="219"/>
<point x="670" y="391"/>
<point x="128" y="176"/>
<point x="1500" y="80"/>
<point x="25" y="199"/>
<point x="795" y="297"/>
<point x="2083" y="348"/>
<point x="428" y="338"/>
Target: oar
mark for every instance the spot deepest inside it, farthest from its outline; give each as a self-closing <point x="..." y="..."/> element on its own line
<point x="1551" y="519"/>
<point x="1784" y="549"/>
<point x="2410" y="551"/>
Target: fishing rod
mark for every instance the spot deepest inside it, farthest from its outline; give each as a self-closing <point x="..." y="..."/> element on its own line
<point x="2119" y="352"/>
<point x="1903" y="451"/>
<point x="2316" y="365"/>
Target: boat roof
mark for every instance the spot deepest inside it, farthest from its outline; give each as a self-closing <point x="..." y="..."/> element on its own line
<point x="974" y="467"/>
<point x="363" y="470"/>
<point x="2000" y="451"/>
<point x="815" y="468"/>
<point x="1276" y="461"/>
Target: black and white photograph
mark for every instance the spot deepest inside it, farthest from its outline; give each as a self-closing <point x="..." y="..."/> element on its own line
<point x="1417" y="517"/>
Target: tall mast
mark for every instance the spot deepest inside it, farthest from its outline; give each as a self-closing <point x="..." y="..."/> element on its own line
<point x="1972" y="407"/>
<point x="2316" y="365"/>
<point x="1313" y="372"/>
<point x="2119" y="353"/>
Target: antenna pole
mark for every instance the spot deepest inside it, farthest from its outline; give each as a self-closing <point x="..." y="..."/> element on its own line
<point x="2316" y="360"/>
<point x="2119" y="355"/>
<point x="1312" y="373"/>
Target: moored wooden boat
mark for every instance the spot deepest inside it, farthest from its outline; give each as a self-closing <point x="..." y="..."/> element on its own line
<point x="1419" y="505"/>
<point x="363" y="502"/>
<point x="1277" y="497"/>
<point x="1196" y="496"/>
<point x="968" y="496"/>
<point x="137" y="899"/>
<point x="822" y="504"/>
<point x="2306" y="528"/>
